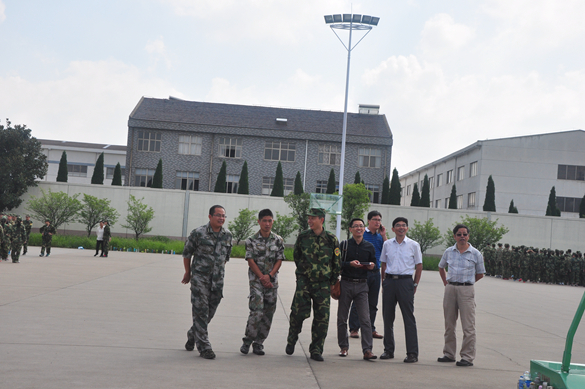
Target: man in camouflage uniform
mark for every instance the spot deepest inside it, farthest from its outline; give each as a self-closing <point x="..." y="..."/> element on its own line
<point x="316" y="256"/>
<point x="264" y="253"/>
<point x="4" y="241"/>
<point x="506" y="259"/>
<point x="107" y="238"/>
<point x="47" y="232"/>
<point x="210" y="248"/>
<point x="18" y="239"/>
<point x="27" y="223"/>
<point x="498" y="260"/>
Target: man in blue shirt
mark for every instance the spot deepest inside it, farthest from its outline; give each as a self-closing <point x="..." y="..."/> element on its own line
<point x="376" y="235"/>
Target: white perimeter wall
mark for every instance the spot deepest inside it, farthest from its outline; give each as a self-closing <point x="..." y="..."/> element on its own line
<point x="169" y="207"/>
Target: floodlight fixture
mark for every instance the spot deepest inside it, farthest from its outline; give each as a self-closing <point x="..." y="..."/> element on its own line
<point x="328" y="19"/>
<point x="337" y="18"/>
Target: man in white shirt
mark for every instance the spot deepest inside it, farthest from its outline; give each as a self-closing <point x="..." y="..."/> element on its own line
<point x="100" y="240"/>
<point x="401" y="258"/>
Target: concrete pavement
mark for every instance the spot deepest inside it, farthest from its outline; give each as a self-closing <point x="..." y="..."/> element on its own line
<point x="77" y="321"/>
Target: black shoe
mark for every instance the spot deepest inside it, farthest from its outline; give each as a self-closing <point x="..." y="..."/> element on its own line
<point x="95" y="255"/>
<point x="290" y="349"/>
<point x="258" y="349"/>
<point x="207" y="354"/>
<point x="190" y="345"/>
<point x="445" y="359"/>
<point x="464" y="363"/>
<point x="410" y="358"/>
<point x="387" y="355"/>
<point x="317" y="357"/>
<point x="245" y="348"/>
<point x="41" y="255"/>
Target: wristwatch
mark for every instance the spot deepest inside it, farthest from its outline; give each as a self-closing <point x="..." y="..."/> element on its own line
<point x="415" y="284"/>
<point x="272" y="279"/>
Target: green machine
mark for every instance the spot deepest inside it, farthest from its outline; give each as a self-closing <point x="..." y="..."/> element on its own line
<point x="565" y="375"/>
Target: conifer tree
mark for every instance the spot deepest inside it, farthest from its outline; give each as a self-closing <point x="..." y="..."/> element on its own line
<point x="395" y="189"/>
<point x="415" y="200"/>
<point x="62" y="175"/>
<point x="331" y="183"/>
<point x="221" y="179"/>
<point x="243" y="187"/>
<point x="386" y="191"/>
<point x="512" y="208"/>
<point x="117" y="178"/>
<point x="98" y="172"/>
<point x="453" y="198"/>
<point x="357" y="179"/>
<point x="551" y="208"/>
<point x="425" y="197"/>
<point x="489" y="204"/>
<point x="298" y="184"/>
<point x="278" y="187"/>
<point x="157" y="179"/>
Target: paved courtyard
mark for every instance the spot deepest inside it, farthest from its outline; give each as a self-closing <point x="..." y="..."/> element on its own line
<point x="76" y="321"/>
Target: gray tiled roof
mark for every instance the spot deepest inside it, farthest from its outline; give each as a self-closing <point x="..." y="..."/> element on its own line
<point x="81" y="145"/>
<point x="245" y="116"/>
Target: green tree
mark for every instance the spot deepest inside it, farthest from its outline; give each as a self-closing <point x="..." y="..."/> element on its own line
<point x="157" y="179"/>
<point x="489" y="204"/>
<point x="299" y="204"/>
<point x="386" y="191"/>
<point x="58" y="207"/>
<point x="426" y="234"/>
<point x="22" y="163"/>
<point x="415" y="200"/>
<point x="299" y="184"/>
<point x="94" y="210"/>
<point x="98" y="171"/>
<point x="395" y="189"/>
<point x="243" y="187"/>
<point x="331" y="183"/>
<point x="512" y="208"/>
<point x="356" y="202"/>
<point x="243" y="225"/>
<point x="284" y="225"/>
<point x="117" y="179"/>
<point x="453" y="198"/>
<point x="221" y="179"/>
<point x="278" y="187"/>
<point x="357" y="179"/>
<point x="62" y="174"/>
<point x="582" y="208"/>
<point x="139" y="217"/>
<point x="425" y="198"/>
<point x="482" y="232"/>
<point x="552" y="209"/>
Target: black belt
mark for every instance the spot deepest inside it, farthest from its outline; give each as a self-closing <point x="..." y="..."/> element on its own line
<point x="460" y="283"/>
<point x="354" y="279"/>
<point x="399" y="276"/>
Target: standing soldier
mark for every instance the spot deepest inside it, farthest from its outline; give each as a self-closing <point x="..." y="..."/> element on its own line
<point x="210" y="247"/>
<point x="18" y="239"/>
<point x="498" y="265"/>
<point x="316" y="255"/>
<point x="264" y="253"/>
<point x="107" y="239"/>
<point x="8" y="235"/>
<point x="27" y="223"/>
<point x="4" y="242"/>
<point x="47" y="232"/>
<point x="506" y="255"/>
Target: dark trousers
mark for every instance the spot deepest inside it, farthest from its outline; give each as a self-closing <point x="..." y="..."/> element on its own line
<point x="99" y="245"/>
<point x="373" y="294"/>
<point x="399" y="291"/>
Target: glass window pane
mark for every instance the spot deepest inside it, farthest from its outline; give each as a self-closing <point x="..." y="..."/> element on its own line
<point x="571" y="172"/>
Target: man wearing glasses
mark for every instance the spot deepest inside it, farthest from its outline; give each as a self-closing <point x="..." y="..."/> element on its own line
<point x="210" y="247"/>
<point x="401" y="258"/>
<point x="465" y="265"/>
<point x="357" y="260"/>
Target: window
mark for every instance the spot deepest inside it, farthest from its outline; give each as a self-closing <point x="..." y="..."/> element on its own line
<point x="268" y="184"/>
<point x="279" y="151"/>
<point x="460" y="173"/>
<point x="473" y="169"/>
<point x="569" y="204"/>
<point x="110" y="172"/>
<point x="230" y="148"/>
<point x="149" y="141"/>
<point x="187" y="181"/>
<point x="431" y="182"/>
<point x="321" y="187"/>
<point x="329" y="155"/>
<point x="449" y="177"/>
<point x="369" y="158"/>
<point x="447" y="203"/>
<point x="571" y="172"/>
<point x="77" y="170"/>
<point x="437" y="203"/>
<point x="439" y="179"/>
<point x="231" y="183"/>
<point x="408" y="190"/>
<point x="190" y="145"/>
<point x="471" y="200"/>
<point x="459" y="201"/>
<point x="143" y="177"/>
<point x="375" y="195"/>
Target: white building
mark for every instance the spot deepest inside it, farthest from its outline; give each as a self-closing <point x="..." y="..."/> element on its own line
<point x="524" y="169"/>
<point x="81" y="159"/>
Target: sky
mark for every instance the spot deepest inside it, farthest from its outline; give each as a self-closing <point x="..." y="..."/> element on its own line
<point x="445" y="73"/>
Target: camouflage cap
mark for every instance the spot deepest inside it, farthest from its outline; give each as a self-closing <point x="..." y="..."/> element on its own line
<point x="47" y="220"/>
<point x="19" y="218"/>
<point x="319" y="212"/>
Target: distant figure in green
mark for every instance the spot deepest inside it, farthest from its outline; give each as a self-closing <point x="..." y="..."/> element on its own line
<point x="27" y="223"/>
<point x="107" y="239"/>
<point x="18" y="239"/>
<point x="47" y="232"/>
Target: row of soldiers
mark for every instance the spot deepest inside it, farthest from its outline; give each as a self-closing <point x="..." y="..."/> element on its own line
<point x="14" y="235"/>
<point x="535" y="265"/>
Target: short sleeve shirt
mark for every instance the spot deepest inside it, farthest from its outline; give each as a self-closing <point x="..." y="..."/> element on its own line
<point x="265" y="252"/>
<point x="401" y="258"/>
<point x="462" y="266"/>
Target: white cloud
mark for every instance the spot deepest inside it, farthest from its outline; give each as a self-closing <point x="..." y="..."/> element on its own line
<point x="2" y="11"/>
<point x="223" y="92"/>
<point x="441" y="36"/>
<point x="158" y="51"/>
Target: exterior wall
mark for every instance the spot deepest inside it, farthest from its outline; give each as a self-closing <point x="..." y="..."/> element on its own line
<point x="170" y="220"/>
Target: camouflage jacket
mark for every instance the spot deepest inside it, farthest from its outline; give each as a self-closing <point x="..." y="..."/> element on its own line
<point x="27" y="226"/>
<point x="265" y="253"/>
<point x="46" y="230"/>
<point x="18" y="234"/>
<point x="210" y="251"/>
<point x="317" y="257"/>
<point x="107" y="233"/>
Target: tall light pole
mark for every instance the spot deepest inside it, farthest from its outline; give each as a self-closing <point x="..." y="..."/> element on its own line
<point x="348" y="22"/>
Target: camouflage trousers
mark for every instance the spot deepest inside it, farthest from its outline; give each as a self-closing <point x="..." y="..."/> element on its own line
<point x="320" y="295"/>
<point x="4" y="249"/>
<point x="25" y="245"/>
<point x="46" y="245"/>
<point x="262" y="303"/>
<point x="15" y="251"/>
<point x="204" y="303"/>
<point x="105" y="247"/>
